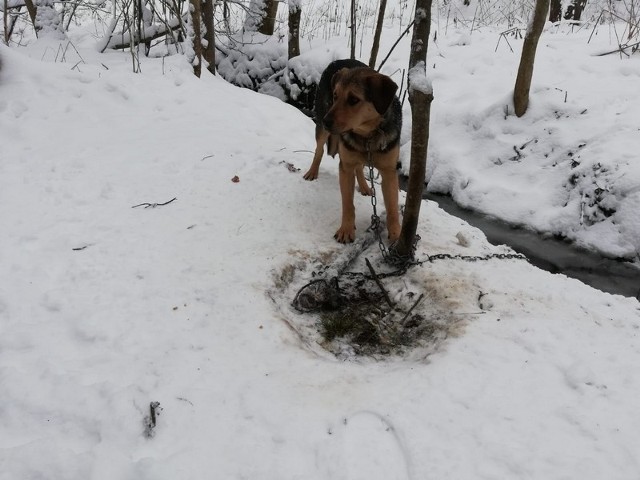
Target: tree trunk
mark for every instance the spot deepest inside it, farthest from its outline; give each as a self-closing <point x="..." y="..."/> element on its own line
<point x="525" y="70"/>
<point x="420" y="98"/>
<point x="44" y="17"/>
<point x="195" y="35"/>
<point x="31" y="9"/>
<point x="47" y="19"/>
<point x="209" y="51"/>
<point x="353" y="29"/>
<point x="261" y="16"/>
<point x="294" y="28"/>
<point x="574" y="10"/>
<point x="5" y="21"/>
<point x="269" y="19"/>
<point x="376" y="35"/>
<point x="555" y="12"/>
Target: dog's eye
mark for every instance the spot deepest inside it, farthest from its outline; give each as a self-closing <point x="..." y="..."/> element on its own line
<point x="352" y="100"/>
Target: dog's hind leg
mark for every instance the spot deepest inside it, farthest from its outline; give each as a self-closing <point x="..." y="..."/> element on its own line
<point x="321" y="138"/>
<point x="365" y="189"/>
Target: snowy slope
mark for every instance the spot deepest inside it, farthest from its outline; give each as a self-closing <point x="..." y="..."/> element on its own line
<point x="105" y="308"/>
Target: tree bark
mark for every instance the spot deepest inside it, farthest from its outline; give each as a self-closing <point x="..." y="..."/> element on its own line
<point x="420" y="99"/>
<point x="209" y="51"/>
<point x="195" y="19"/>
<point x="525" y="70"/>
<point x="261" y="16"/>
<point x="352" y="54"/>
<point x="269" y="19"/>
<point x="294" y="28"/>
<point x="555" y="12"/>
<point x="376" y="35"/>
<point x="31" y="9"/>
<point x="574" y="10"/>
<point x="47" y="20"/>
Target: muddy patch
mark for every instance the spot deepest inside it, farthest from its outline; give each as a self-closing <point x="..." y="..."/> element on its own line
<point x="338" y="304"/>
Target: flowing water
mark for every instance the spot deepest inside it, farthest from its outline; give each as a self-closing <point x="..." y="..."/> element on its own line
<point x="551" y="254"/>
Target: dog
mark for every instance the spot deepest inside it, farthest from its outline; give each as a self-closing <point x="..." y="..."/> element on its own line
<point x="359" y="117"/>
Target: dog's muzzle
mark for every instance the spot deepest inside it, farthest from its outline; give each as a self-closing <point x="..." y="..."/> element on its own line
<point x="327" y="123"/>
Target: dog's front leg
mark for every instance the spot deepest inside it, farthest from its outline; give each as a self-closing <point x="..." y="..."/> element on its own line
<point x="347" y="231"/>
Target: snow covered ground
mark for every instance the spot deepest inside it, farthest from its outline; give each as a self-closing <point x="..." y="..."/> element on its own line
<point x="105" y="308"/>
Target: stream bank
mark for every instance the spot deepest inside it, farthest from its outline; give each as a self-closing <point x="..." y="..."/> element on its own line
<point x="551" y="254"/>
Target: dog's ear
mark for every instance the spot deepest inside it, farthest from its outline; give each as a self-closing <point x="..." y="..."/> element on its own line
<point x="380" y="91"/>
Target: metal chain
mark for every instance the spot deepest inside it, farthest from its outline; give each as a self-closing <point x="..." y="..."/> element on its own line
<point x="375" y="218"/>
<point x="474" y="258"/>
<point x="389" y="255"/>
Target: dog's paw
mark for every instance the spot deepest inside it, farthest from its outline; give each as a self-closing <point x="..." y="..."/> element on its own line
<point x="394" y="232"/>
<point x="345" y="234"/>
<point x="366" y="191"/>
<point x="312" y="174"/>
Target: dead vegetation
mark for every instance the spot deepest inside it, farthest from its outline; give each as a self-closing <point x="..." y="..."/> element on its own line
<point x="353" y="310"/>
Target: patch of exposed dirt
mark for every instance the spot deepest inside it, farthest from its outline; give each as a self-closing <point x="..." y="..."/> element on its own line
<point x="334" y="302"/>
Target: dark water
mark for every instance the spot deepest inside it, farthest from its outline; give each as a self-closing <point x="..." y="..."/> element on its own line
<point x="553" y="255"/>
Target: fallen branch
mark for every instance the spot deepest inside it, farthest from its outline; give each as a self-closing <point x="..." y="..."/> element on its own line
<point x="379" y="283"/>
<point x="122" y="40"/>
<point x="621" y="49"/>
<point x="404" y="319"/>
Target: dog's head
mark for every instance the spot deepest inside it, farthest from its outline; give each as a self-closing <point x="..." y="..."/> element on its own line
<point x="361" y="97"/>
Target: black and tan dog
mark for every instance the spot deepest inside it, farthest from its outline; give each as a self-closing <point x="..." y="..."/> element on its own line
<point x="358" y="116"/>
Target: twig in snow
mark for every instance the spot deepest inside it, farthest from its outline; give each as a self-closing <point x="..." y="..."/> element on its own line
<point x="150" y="421"/>
<point x="404" y="319"/>
<point x="154" y="205"/>
<point x="379" y="283"/>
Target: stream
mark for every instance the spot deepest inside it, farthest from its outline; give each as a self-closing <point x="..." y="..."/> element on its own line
<point x="551" y="254"/>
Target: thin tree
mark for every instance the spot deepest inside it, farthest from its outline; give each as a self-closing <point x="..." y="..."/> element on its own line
<point x="261" y="16"/>
<point x="294" y="28"/>
<point x="31" y="9"/>
<point x="353" y="29"/>
<point x="45" y="18"/>
<point x="209" y="37"/>
<point x="194" y="23"/>
<point x="420" y="98"/>
<point x="376" y="36"/>
<point x="525" y="70"/>
<point x="574" y="10"/>
<point x="555" y="12"/>
<point x="5" y="20"/>
<point x="269" y="19"/>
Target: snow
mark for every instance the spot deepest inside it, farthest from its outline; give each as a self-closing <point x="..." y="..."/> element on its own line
<point x="418" y="80"/>
<point x="105" y="308"/>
